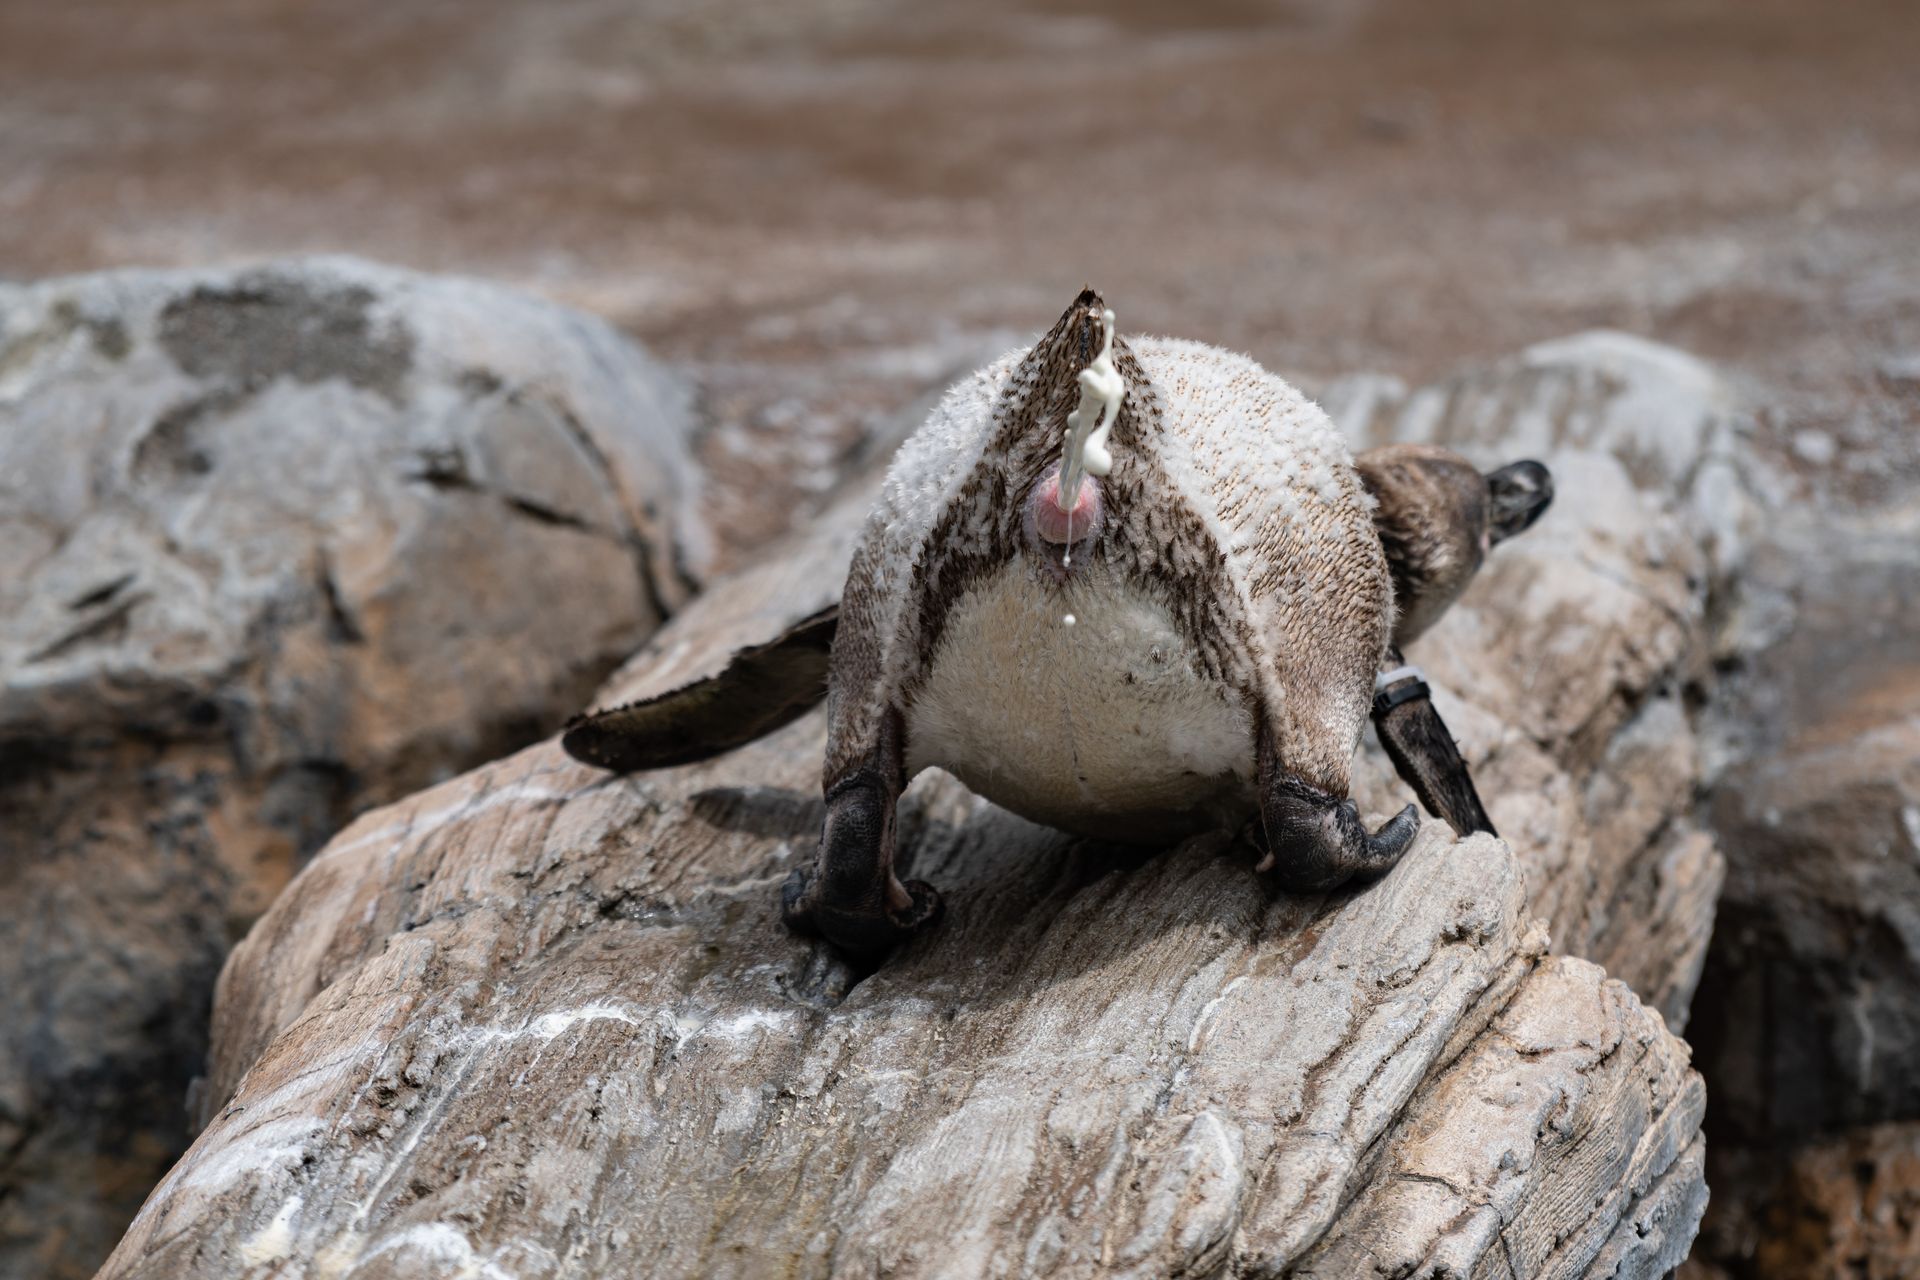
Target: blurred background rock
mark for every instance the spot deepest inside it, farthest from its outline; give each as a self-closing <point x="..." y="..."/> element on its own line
<point x="818" y="210"/>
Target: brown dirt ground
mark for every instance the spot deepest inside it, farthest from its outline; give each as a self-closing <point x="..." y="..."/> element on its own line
<point x="822" y="206"/>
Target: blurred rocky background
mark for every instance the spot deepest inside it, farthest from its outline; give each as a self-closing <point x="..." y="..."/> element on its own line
<point x="282" y="542"/>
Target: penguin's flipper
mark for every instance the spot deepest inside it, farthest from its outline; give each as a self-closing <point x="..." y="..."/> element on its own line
<point x="762" y="688"/>
<point x="1424" y="754"/>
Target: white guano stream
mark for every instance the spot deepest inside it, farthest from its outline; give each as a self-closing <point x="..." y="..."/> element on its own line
<point x="1086" y="454"/>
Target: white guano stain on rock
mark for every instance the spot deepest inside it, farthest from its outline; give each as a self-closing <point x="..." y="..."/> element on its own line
<point x="441" y="1244"/>
<point x="275" y="1241"/>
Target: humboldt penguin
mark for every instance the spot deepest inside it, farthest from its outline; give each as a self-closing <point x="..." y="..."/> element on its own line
<point x="1133" y="589"/>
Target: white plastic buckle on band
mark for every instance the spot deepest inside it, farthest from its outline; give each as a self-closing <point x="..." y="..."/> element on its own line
<point x="1387" y="679"/>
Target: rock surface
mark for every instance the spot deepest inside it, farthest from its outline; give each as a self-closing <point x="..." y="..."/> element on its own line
<point x="539" y="1018"/>
<point x="1840" y="1206"/>
<point x="1810" y="1007"/>
<point x="275" y="544"/>
<point x="1816" y="980"/>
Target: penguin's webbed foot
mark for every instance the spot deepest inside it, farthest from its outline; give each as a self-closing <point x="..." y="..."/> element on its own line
<point x="866" y="929"/>
<point x="851" y="896"/>
<point x="1316" y="843"/>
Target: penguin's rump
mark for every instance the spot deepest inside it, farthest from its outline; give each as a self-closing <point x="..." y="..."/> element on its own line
<point x="1109" y="728"/>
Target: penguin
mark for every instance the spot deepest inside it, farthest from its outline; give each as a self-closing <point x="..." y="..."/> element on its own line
<point x="1134" y="589"/>
<point x="1437" y="517"/>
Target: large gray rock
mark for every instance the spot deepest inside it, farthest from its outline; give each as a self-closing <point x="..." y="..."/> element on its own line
<point x="540" y="1020"/>
<point x="275" y="544"/>
<point x="1572" y="1074"/>
<point x="1810" y="1008"/>
<point x="1816" y="980"/>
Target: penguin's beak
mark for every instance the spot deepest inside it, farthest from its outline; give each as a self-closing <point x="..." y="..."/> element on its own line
<point x="1519" y="493"/>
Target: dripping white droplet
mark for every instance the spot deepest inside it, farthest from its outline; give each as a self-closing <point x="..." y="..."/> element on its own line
<point x="1069" y="619"/>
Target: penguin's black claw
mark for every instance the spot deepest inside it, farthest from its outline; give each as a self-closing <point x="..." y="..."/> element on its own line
<point x="866" y="930"/>
<point x="1315" y="840"/>
<point x="1386" y="846"/>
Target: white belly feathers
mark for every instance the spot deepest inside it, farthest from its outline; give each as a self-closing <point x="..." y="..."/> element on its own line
<point x="1107" y="727"/>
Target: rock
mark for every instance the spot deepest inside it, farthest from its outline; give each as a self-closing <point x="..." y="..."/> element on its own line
<point x="1846" y="1206"/>
<point x="1816" y="991"/>
<point x="277" y="544"/>
<point x="1573" y="1071"/>
<point x="538" y="1018"/>
<point x="543" y="1020"/>
<point x="1809" y="1011"/>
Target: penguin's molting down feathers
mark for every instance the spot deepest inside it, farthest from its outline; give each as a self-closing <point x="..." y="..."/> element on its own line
<point x="1184" y="636"/>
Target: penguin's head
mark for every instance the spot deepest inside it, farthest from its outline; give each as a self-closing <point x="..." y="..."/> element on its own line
<point x="1517" y="495"/>
<point x="1438" y="516"/>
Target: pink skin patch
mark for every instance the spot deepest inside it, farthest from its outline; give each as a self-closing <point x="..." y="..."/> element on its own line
<point x="1050" y="525"/>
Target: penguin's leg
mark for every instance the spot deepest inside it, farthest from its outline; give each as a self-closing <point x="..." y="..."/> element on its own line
<point x="1315" y="841"/>
<point x="1423" y="751"/>
<point x="851" y="896"/>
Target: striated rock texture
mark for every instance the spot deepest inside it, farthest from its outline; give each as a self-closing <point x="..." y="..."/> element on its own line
<point x="539" y="1020"/>
<point x="275" y="544"/>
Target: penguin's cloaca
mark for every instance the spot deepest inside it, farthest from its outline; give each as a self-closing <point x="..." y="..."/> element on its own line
<point x="1177" y="628"/>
